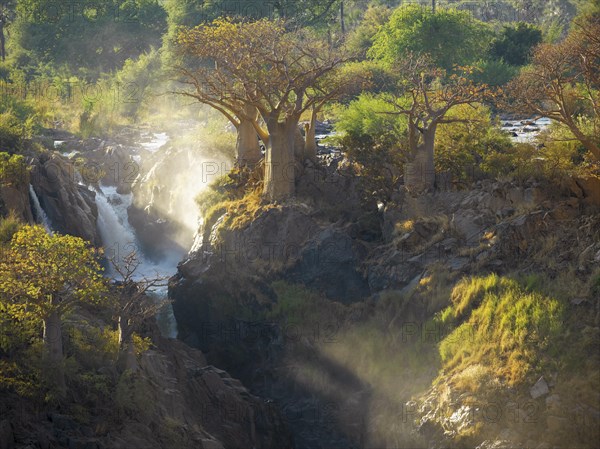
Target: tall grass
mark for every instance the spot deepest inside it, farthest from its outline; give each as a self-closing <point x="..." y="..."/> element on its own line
<point x="506" y="327"/>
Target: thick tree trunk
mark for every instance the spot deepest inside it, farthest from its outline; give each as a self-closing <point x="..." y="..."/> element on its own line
<point x="310" y="143"/>
<point x="53" y="343"/>
<point x="279" y="161"/>
<point x="127" y="357"/>
<point x="248" y="149"/>
<point x="420" y="172"/>
<point x="299" y="145"/>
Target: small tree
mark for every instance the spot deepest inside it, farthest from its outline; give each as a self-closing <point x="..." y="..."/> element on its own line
<point x="45" y="276"/>
<point x="563" y="83"/>
<point x="425" y="94"/>
<point x="132" y="305"/>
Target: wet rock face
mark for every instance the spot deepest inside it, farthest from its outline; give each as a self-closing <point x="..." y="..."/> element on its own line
<point x="71" y="207"/>
<point x="115" y="165"/>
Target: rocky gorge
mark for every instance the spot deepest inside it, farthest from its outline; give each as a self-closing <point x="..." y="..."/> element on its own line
<point x="296" y="302"/>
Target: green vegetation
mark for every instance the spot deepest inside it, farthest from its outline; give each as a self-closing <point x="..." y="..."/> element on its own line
<point x="42" y="277"/>
<point x="504" y="327"/>
<point x="515" y="43"/>
<point x="426" y="90"/>
<point x="236" y="196"/>
<point x="450" y="37"/>
<point x="13" y="170"/>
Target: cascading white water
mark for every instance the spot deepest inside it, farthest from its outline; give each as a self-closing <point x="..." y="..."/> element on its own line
<point x="118" y="238"/>
<point x="40" y="215"/>
<point x="157" y="141"/>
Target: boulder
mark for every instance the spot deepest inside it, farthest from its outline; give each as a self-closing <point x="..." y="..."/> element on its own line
<point x="539" y="389"/>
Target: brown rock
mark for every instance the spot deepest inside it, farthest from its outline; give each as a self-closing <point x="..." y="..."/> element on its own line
<point x="15" y="199"/>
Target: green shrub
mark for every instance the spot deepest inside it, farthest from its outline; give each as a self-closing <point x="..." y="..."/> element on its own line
<point x="515" y="43"/>
<point x="9" y="225"/>
<point x="461" y="146"/>
<point x="14" y="131"/>
<point x="374" y="139"/>
<point x="13" y="170"/>
<point x="494" y="72"/>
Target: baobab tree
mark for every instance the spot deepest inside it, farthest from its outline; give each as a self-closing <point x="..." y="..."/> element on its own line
<point x="210" y="87"/>
<point x="425" y="94"/>
<point x="263" y="67"/>
<point x="563" y="83"/>
<point x="45" y="276"/>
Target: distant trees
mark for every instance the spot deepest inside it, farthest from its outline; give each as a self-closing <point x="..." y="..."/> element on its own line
<point x="563" y="83"/>
<point x="97" y="36"/>
<point x="44" y="276"/>
<point x="515" y="43"/>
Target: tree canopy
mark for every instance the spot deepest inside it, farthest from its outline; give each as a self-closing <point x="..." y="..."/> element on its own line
<point x="98" y="36"/>
<point x="450" y="37"/>
<point x="259" y="65"/>
<point x="43" y="276"/>
<point x="516" y="42"/>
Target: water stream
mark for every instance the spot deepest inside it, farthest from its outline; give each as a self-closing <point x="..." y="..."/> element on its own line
<point x="40" y="215"/>
<point x="119" y="239"/>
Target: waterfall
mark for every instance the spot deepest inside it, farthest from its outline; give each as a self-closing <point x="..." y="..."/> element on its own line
<point x="118" y="239"/>
<point x="40" y="215"/>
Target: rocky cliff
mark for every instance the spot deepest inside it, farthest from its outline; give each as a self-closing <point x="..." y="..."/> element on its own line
<point x="228" y="296"/>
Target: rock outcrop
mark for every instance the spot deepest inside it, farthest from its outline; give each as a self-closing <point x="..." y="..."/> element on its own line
<point x="15" y="199"/>
<point x="304" y="241"/>
<point x="179" y="402"/>
<point x="70" y="205"/>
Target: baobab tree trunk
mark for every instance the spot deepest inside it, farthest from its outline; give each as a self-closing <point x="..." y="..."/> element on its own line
<point x="420" y="172"/>
<point x="279" y="160"/>
<point x="53" y="342"/>
<point x="248" y="149"/>
<point x="127" y="357"/>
